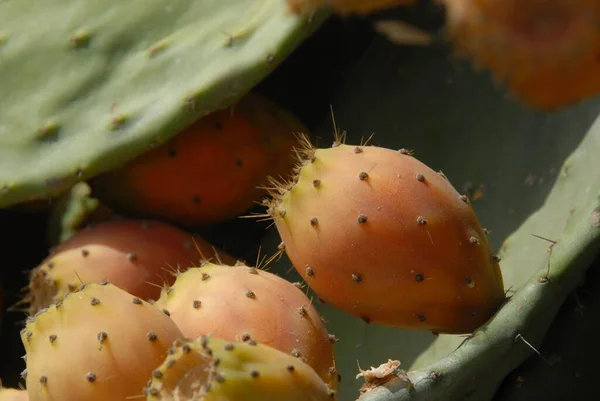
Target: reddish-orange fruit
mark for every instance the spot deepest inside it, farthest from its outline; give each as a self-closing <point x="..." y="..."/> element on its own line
<point x="545" y="51"/>
<point x="137" y="256"/>
<point x="211" y="171"/>
<point x="346" y="6"/>
<point x="241" y="303"/>
<point x="380" y="235"/>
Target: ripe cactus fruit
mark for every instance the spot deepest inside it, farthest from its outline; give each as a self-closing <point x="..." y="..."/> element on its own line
<point x="13" y="394"/>
<point x="134" y="255"/>
<point x="346" y="6"/>
<point x="546" y="51"/>
<point x="212" y="369"/>
<point x="210" y="171"/>
<point x="98" y="343"/>
<point x="380" y="235"/>
<point x="241" y="303"/>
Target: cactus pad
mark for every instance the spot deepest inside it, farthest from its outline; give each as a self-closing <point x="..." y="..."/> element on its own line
<point x="95" y="85"/>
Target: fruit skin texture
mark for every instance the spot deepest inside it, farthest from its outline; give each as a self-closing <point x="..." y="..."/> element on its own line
<point x="99" y="343"/>
<point x="545" y="51"/>
<point x="239" y="303"/>
<point x="380" y="235"/>
<point x="210" y="171"/>
<point x="345" y="7"/>
<point x="13" y="394"/>
<point x="245" y="372"/>
<point x="135" y="255"/>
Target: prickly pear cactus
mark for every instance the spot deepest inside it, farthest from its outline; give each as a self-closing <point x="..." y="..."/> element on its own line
<point x="118" y="78"/>
<point x="556" y="265"/>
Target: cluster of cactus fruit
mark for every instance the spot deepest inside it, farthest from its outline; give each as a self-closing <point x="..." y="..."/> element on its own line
<point x="134" y="302"/>
<point x="133" y="305"/>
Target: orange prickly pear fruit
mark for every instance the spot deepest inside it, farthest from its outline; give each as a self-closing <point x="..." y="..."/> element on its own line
<point x="136" y="255"/>
<point x="380" y="235"/>
<point x="242" y="303"/>
<point x="545" y="51"/>
<point x="211" y="171"/>
<point x="98" y="343"/>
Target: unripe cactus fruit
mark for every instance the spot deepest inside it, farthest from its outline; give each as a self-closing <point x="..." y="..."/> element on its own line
<point x="212" y="369"/>
<point x="382" y="236"/>
<point x="98" y="343"/>
<point x="346" y="6"/>
<point x="137" y="256"/>
<point x="241" y="303"/>
<point x="545" y="51"/>
<point x="209" y="172"/>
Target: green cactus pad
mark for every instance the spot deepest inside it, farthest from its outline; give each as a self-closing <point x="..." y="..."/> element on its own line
<point x="88" y="85"/>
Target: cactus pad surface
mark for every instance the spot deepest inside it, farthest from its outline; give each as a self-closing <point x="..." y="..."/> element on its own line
<point x="97" y="84"/>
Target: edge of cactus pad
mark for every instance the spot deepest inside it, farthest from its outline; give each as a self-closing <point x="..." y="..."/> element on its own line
<point x="88" y="85"/>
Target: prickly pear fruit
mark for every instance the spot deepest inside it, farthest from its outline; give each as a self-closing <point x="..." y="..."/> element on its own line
<point x="212" y="369"/>
<point x="13" y="394"/>
<point x="545" y="51"/>
<point x="346" y="6"/>
<point x="134" y="255"/>
<point x="209" y="172"/>
<point x="98" y="343"/>
<point x="382" y="236"/>
<point x="241" y="303"/>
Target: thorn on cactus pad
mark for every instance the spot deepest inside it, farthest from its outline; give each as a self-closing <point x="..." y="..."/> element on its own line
<point x="80" y="40"/>
<point x="137" y="301"/>
<point x="85" y="253"/>
<point x="196" y="304"/>
<point x="309" y="271"/>
<point x="94" y="301"/>
<point x="363" y="175"/>
<point x="44" y="380"/>
<point x="52" y="337"/>
<point x="420" y="178"/>
<point x="316" y="183"/>
<point x="419" y="277"/>
<point x="464" y="198"/>
<point x="421" y="220"/>
<point x="152" y="336"/>
<point x="229" y="347"/>
<point x="250" y="294"/>
<point x="421" y="318"/>
<point x="90" y="377"/>
<point x="357" y="278"/>
<point x="245" y="337"/>
<point x="314" y="221"/>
